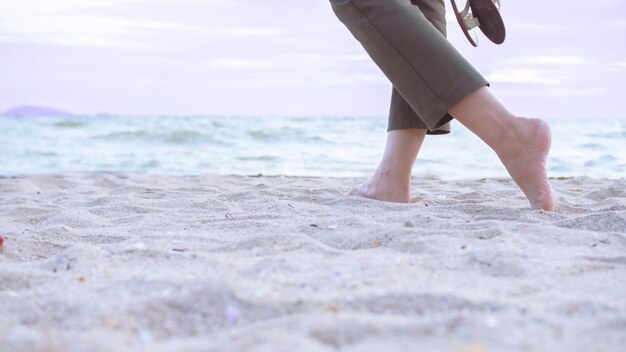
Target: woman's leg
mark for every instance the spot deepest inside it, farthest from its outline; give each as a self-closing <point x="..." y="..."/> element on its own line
<point x="392" y="179"/>
<point x="521" y="144"/>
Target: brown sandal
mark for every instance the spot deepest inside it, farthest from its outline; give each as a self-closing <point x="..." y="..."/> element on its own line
<point x="484" y="14"/>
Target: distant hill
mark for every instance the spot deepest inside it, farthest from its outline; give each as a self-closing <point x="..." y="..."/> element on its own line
<point x="35" y="111"/>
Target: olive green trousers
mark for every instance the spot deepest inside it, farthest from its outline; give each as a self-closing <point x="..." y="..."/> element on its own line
<point x="407" y="40"/>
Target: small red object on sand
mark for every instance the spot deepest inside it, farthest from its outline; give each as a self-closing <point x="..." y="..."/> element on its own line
<point x="1" y="241"/>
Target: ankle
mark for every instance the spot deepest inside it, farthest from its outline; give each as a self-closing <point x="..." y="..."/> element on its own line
<point x="522" y="135"/>
<point x="508" y="144"/>
<point x="512" y="137"/>
<point x="389" y="174"/>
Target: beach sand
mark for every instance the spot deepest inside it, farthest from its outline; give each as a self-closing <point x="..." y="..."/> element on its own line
<point x="102" y="261"/>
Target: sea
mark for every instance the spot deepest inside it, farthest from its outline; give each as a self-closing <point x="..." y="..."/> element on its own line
<point x="273" y="145"/>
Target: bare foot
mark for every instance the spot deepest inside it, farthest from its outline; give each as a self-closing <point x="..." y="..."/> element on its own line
<point x="385" y="188"/>
<point x="525" y="157"/>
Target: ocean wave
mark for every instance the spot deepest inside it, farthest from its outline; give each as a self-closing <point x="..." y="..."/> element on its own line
<point x="124" y="135"/>
<point x="185" y="136"/>
<point x="169" y="137"/>
<point x="259" y="158"/>
<point x="74" y="123"/>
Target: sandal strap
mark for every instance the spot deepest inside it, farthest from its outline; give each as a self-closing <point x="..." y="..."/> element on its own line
<point x="471" y="22"/>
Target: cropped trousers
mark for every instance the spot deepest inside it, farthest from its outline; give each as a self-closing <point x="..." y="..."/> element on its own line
<point x="407" y="41"/>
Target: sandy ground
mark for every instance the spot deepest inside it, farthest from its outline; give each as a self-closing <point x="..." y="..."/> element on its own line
<point x="101" y="262"/>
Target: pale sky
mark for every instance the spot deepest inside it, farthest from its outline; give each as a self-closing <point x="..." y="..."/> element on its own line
<point x="562" y="58"/>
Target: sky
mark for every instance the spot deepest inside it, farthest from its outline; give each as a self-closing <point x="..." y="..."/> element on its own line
<point x="561" y="59"/>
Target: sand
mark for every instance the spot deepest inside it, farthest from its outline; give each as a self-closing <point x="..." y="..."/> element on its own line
<point x="101" y="262"/>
